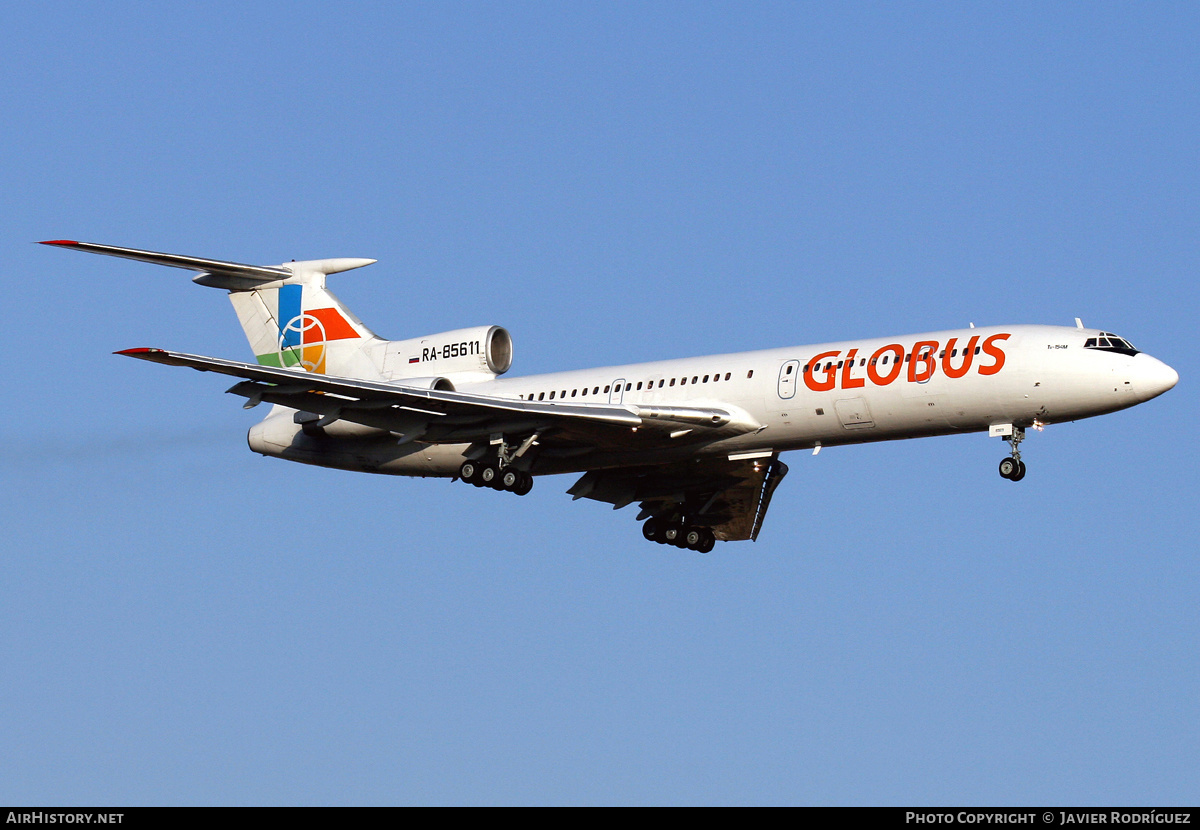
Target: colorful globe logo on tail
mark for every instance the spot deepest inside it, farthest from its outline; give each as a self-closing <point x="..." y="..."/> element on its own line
<point x="306" y="336"/>
<point x="302" y="340"/>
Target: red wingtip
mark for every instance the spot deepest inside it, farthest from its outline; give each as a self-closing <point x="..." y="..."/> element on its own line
<point x="61" y="242"/>
<point x="132" y="352"/>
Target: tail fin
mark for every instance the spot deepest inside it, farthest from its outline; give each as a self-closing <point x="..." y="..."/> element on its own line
<point x="299" y="322"/>
<point x="287" y="313"/>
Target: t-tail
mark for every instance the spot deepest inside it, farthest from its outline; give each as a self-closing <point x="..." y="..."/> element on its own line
<point x="290" y="318"/>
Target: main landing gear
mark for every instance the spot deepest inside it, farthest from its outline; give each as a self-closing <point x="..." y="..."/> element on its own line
<point x="679" y="534"/>
<point x="1013" y="468"/>
<point x="497" y="468"/>
<point x="492" y="475"/>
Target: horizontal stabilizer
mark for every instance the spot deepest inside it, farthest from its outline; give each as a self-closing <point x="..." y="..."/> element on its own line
<point x="235" y="276"/>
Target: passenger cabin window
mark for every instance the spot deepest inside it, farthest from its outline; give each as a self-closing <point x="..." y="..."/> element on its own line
<point x="750" y="374"/>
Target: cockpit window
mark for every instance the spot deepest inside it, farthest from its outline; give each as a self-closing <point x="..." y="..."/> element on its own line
<point x="1108" y="342"/>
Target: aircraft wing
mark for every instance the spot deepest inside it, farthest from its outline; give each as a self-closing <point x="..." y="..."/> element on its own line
<point x="437" y="416"/>
<point x="729" y="496"/>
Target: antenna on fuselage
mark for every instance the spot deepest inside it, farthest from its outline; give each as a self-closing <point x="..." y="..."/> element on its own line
<point x="1078" y="323"/>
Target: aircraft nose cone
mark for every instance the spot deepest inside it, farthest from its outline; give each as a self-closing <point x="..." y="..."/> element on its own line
<point x="1155" y="377"/>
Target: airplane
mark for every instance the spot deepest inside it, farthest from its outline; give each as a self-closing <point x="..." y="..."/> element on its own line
<point x="696" y="442"/>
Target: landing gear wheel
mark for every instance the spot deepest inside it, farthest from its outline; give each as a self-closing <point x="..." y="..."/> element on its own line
<point x="652" y="530"/>
<point x="488" y="475"/>
<point x="672" y="534"/>
<point x="468" y="471"/>
<point x="692" y="537"/>
<point x="706" y="543"/>
<point x="524" y="485"/>
<point x="1013" y="468"/>
<point x="509" y="479"/>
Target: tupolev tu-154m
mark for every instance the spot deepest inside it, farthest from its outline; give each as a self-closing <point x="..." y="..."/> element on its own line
<point x="695" y="442"/>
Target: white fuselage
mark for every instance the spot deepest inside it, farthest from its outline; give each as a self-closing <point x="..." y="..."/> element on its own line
<point x="859" y="391"/>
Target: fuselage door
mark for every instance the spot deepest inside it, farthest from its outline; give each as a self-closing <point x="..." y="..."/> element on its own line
<point x="617" y="391"/>
<point x="787" y="379"/>
<point x="854" y="413"/>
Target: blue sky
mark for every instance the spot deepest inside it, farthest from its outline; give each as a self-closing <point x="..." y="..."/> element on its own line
<point x="184" y="622"/>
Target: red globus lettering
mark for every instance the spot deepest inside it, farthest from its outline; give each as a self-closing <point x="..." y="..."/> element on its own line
<point x="811" y="369"/>
<point x="847" y="381"/>
<point x="893" y="370"/>
<point x="968" y="356"/>
<point x="923" y="352"/>
<point x="990" y="348"/>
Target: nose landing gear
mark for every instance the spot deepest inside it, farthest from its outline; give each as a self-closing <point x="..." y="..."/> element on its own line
<point x="1013" y="468"/>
